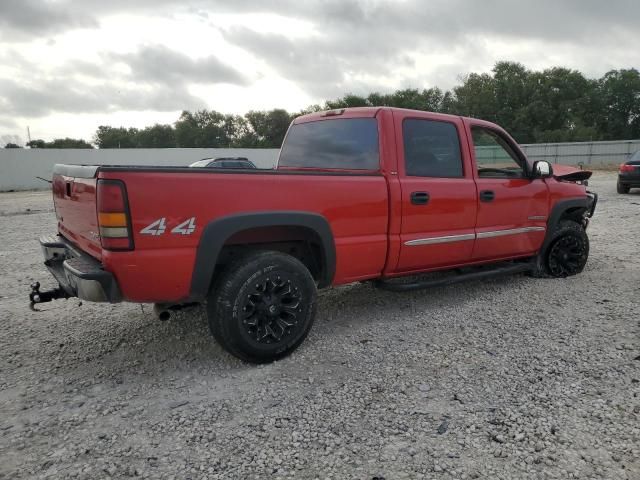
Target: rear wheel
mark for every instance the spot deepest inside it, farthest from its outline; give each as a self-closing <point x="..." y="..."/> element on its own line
<point x="622" y="188"/>
<point x="262" y="307"/>
<point x="567" y="252"/>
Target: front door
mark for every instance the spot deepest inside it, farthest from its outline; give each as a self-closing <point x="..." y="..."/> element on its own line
<point x="439" y="197"/>
<point x="512" y="208"/>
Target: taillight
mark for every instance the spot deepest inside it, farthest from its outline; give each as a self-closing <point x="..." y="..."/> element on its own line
<point x="114" y="219"/>
<point x="626" y="168"/>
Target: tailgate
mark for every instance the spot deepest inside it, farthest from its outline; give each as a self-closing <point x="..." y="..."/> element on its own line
<point x="74" y="198"/>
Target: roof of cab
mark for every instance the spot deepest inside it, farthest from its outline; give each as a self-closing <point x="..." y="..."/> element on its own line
<point x="362" y="112"/>
<point x="355" y="112"/>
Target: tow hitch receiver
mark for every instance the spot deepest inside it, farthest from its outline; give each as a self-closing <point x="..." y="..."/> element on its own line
<point x="36" y="296"/>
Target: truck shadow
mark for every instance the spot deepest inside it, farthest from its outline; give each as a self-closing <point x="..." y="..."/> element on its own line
<point x="351" y="302"/>
<point x="139" y="345"/>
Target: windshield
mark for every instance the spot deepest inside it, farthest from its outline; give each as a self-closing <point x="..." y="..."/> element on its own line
<point x="200" y="163"/>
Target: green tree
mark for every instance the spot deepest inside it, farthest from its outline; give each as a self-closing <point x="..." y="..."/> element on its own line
<point x="348" y="101"/>
<point x="269" y="127"/>
<point x="156" y="136"/>
<point x="475" y="97"/>
<point x="557" y="107"/>
<point x="69" y="143"/>
<point x="556" y="104"/>
<point x="239" y="132"/>
<point x="427" y="100"/>
<point x="619" y="92"/>
<point x="36" y="143"/>
<point x="60" y="143"/>
<point x="202" y="129"/>
<point x="116" y="137"/>
<point x="511" y="89"/>
<point x="12" y="145"/>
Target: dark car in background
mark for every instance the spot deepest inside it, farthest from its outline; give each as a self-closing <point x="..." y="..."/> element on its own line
<point x="242" y="163"/>
<point x="629" y="174"/>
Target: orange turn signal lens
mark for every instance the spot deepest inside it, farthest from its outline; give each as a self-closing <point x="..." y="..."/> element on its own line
<point x="112" y="219"/>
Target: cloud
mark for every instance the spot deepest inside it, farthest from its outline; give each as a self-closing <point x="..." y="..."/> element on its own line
<point x="27" y="19"/>
<point x="351" y="39"/>
<point x="158" y="80"/>
<point x="335" y="47"/>
<point x="159" y="64"/>
<point x="46" y="96"/>
<point x="569" y="20"/>
<point x="15" y="139"/>
<point x="448" y="19"/>
<point x="8" y="123"/>
<point x="323" y="65"/>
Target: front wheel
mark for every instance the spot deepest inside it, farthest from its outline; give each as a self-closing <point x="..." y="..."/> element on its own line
<point x="262" y="307"/>
<point x="567" y="252"/>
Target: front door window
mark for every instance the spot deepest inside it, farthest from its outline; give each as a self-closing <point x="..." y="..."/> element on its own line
<point x="494" y="156"/>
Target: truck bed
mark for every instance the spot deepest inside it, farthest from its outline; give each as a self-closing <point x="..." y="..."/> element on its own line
<point x="356" y="206"/>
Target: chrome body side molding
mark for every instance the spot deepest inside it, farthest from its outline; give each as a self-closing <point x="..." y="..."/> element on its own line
<point x="447" y="239"/>
<point x="472" y="236"/>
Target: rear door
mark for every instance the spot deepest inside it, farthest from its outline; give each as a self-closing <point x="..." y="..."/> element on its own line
<point x="512" y="208"/>
<point x="439" y="197"/>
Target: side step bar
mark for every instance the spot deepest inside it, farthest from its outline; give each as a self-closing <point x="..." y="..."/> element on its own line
<point x="482" y="273"/>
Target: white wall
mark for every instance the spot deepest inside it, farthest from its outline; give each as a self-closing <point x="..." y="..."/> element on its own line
<point x="19" y="167"/>
<point x="588" y="153"/>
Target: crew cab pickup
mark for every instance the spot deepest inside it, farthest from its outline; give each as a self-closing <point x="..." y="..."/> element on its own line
<point x="361" y="194"/>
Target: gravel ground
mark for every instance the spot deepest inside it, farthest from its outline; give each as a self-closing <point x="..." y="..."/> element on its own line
<point x="512" y="378"/>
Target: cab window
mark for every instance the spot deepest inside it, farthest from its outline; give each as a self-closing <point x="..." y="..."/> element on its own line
<point x="350" y="143"/>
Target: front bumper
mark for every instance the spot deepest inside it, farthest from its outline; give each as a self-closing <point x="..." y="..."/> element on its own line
<point x="78" y="274"/>
<point x="592" y="201"/>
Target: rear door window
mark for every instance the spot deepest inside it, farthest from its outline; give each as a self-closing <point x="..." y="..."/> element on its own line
<point x="348" y="143"/>
<point x="431" y="149"/>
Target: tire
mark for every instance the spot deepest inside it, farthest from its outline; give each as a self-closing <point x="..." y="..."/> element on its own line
<point x="567" y="252"/>
<point x="622" y="188"/>
<point x="262" y="306"/>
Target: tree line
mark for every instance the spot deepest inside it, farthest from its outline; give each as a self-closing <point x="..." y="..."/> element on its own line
<point x="553" y="105"/>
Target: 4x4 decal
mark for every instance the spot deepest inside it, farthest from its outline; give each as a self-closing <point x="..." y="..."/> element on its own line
<point x="159" y="226"/>
<point x="156" y="228"/>
<point x="186" y="228"/>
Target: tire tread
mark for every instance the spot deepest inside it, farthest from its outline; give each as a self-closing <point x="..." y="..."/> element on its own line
<point x="229" y="281"/>
<point x="562" y="228"/>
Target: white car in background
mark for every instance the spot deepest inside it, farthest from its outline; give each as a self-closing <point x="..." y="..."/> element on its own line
<point x="241" y="163"/>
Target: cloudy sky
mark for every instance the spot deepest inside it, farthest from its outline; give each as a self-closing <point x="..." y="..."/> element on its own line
<point x="67" y="66"/>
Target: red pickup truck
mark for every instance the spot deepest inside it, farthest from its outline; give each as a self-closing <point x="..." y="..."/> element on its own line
<point x="358" y="194"/>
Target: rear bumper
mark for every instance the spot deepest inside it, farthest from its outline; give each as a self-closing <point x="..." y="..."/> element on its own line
<point x="78" y="274"/>
<point x="630" y="179"/>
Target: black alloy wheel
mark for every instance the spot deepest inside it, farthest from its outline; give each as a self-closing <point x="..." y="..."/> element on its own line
<point x="271" y="309"/>
<point x="567" y="256"/>
<point x="262" y="306"/>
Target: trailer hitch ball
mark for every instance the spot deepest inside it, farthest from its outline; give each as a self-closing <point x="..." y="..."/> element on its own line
<point x="36" y="296"/>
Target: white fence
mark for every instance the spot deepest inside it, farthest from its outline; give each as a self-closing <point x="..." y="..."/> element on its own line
<point x="20" y="167"/>
<point x="587" y="153"/>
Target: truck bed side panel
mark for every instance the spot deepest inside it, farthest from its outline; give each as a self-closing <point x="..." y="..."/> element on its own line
<point x="355" y="205"/>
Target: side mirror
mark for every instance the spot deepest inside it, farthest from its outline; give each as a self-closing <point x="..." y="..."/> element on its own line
<point x="542" y="169"/>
